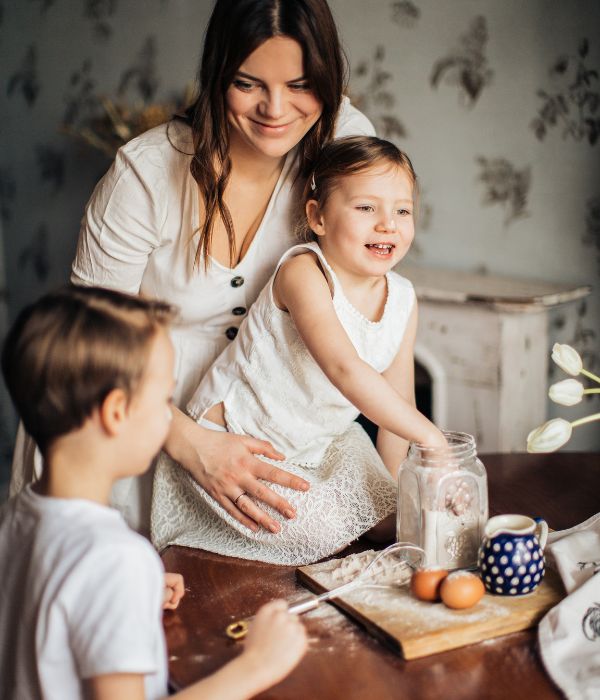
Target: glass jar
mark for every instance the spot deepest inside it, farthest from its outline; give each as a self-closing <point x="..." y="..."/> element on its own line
<point x="443" y="501"/>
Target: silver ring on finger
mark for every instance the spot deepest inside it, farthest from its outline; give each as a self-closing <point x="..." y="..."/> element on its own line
<point x="238" y="498"/>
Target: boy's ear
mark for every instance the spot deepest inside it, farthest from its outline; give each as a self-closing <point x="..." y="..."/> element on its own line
<point x="113" y="411"/>
<point x="314" y="217"/>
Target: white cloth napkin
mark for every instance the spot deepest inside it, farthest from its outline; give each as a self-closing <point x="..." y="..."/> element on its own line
<point x="569" y="634"/>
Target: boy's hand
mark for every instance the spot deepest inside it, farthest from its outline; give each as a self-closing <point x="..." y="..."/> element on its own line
<point x="174" y="591"/>
<point x="276" y="642"/>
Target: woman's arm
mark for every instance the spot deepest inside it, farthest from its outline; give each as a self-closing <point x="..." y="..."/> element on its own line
<point x="122" y="223"/>
<point x="225" y="465"/>
<point x="301" y="287"/>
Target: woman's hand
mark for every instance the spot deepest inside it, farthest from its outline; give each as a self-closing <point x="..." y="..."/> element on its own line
<point x="225" y="466"/>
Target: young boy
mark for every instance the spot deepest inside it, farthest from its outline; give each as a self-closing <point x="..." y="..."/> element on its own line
<point x="91" y="374"/>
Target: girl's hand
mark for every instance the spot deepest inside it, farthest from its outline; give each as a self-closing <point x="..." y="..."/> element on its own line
<point x="225" y="466"/>
<point x="275" y="643"/>
<point x="174" y="591"/>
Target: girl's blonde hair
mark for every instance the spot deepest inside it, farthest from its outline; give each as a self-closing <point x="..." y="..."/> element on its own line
<point x="343" y="157"/>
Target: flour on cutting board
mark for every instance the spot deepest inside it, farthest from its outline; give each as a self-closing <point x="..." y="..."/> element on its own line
<point x="394" y="603"/>
<point x="386" y="571"/>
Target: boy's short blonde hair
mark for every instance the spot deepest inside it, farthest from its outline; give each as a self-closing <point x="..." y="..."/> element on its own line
<point x="65" y="353"/>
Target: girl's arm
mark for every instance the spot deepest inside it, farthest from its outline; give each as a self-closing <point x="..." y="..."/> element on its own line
<point x="301" y="288"/>
<point x="401" y="376"/>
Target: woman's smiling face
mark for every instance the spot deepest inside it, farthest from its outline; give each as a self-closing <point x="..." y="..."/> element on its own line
<point x="270" y="105"/>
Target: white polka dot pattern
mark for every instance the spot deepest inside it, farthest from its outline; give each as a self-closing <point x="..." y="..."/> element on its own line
<point x="511" y="564"/>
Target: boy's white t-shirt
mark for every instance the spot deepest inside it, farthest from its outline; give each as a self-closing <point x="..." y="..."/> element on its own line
<point x="81" y="596"/>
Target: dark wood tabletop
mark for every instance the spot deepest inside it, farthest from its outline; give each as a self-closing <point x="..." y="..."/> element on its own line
<point x="343" y="660"/>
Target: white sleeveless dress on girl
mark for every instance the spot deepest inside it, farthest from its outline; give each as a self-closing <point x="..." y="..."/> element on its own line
<point x="273" y="389"/>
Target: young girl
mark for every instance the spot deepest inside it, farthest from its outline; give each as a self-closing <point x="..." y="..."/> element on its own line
<point x="330" y="336"/>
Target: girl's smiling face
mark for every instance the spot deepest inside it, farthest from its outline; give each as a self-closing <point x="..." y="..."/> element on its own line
<point x="366" y="225"/>
<point x="270" y="105"/>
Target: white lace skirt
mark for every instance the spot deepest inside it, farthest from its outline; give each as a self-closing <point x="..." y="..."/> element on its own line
<point x="350" y="492"/>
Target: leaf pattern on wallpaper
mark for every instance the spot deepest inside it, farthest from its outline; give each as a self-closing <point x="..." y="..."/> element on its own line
<point x="44" y="4"/>
<point x="375" y="99"/>
<point x="51" y="165"/>
<point x="405" y="13"/>
<point x="581" y="337"/>
<point x="79" y="96"/>
<point x="506" y="186"/>
<point x="423" y="220"/>
<point x="8" y="190"/>
<point x="424" y="212"/>
<point x="466" y="66"/>
<point x="584" y="339"/>
<point x="142" y="75"/>
<point x="99" y="13"/>
<point x="575" y="105"/>
<point x="25" y="79"/>
<point x="592" y="226"/>
<point x="36" y="255"/>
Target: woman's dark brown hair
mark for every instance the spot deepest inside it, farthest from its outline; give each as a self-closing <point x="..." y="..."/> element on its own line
<point x="236" y="29"/>
<point x="348" y="156"/>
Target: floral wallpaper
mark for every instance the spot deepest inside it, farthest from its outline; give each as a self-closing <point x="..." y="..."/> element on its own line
<point x="498" y="105"/>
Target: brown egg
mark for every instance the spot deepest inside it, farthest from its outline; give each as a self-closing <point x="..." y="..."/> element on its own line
<point x="461" y="589"/>
<point x="425" y="583"/>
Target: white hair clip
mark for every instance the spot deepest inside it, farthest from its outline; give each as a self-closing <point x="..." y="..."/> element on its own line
<point x="313" y="184"/>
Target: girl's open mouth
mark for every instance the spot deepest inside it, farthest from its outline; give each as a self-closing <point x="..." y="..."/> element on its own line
<point x="380" y="248"/>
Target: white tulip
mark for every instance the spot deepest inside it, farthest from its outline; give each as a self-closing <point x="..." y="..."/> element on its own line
<point x="567" y="393"/>
<point x="567" y="358"/>
<point x="550" y="436"/>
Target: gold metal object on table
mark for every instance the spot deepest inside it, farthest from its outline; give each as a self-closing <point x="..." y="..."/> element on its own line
<point x="237" y="630"/>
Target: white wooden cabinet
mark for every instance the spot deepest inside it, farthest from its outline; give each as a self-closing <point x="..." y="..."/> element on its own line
<point x="484" y="342"/>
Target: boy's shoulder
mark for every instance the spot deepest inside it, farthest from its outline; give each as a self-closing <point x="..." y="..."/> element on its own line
<point x="94" y="585"/>
<point x="96" y="532"/>
<point x="70" y="532"/>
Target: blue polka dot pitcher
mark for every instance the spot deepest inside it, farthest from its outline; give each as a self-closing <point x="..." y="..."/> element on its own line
<point x="511" y="555"/>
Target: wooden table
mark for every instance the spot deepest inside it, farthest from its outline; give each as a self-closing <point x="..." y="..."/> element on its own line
<point x="343" y="660"/>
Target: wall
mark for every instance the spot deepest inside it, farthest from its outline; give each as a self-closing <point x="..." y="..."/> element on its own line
<point x="458" y="85"/>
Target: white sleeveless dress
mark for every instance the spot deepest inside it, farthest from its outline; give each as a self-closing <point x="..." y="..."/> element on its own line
<point x="273" y="389"/>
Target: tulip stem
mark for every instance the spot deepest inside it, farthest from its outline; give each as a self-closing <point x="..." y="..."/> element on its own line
<point x="587" y="419"/>
<point x="595" y="377"/>
<point x="591" y="391"/>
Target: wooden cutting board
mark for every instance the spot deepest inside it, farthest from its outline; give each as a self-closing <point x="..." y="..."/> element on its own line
<point x="417" y="629"/>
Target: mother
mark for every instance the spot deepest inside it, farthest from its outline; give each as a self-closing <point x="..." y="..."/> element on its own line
<point x="198" y="211"/>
